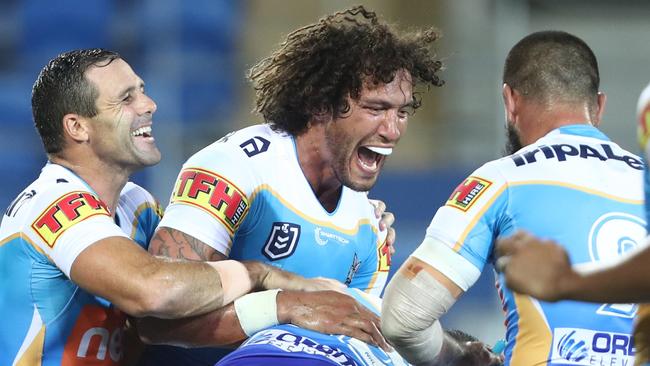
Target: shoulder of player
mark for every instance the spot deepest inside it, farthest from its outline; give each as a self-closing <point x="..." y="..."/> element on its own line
<point x="133" y="196"/>
<point x="250" y="146"/>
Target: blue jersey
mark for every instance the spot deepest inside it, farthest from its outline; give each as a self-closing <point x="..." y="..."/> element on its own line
<point x="576" y="187"/>
<point x="284" y="342"/>
<point x="247" y="197"/>
<point x="49" y="319"/>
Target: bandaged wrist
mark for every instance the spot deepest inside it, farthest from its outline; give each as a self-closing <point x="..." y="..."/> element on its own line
<point x="235" y="279"/>
<point x="257" y="311"/>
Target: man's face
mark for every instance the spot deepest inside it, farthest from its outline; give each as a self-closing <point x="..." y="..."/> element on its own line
<point x="121" y="130"/>
<point x="359" y="141"/>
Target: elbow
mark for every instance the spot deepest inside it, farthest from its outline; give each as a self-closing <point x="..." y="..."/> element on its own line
<point x="393" y="327"/>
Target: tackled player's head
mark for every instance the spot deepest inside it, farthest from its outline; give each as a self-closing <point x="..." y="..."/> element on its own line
<point x="62" y="88"/>
<point x="320" y="66"/>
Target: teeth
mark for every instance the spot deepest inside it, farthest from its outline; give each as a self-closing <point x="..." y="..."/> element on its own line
<point x="141" y="131"/>
<point x="380" y="150"/>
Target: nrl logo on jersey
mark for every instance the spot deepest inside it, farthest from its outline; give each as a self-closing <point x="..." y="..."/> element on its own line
<point x="282" y="240"/>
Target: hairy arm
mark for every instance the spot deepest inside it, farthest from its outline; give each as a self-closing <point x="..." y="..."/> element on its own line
<point x="142" y="285"/>
<point x="554" y="279"/>
<point x="324" y="311"/>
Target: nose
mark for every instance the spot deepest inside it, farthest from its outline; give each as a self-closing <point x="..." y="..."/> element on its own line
<point x="392" y="126"/>
<point x="148" y="105"/>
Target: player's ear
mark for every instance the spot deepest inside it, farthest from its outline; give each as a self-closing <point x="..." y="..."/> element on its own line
<point x="76" y="127"/>
<point x="509" y="102"/>
<point x="600" y="108"/>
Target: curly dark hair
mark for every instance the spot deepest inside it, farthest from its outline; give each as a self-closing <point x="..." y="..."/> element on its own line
<point x="320" y="65"/>
<point x="62" y="88"/>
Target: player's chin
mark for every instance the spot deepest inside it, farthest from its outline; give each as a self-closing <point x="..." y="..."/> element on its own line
<point x="362" y="183"/>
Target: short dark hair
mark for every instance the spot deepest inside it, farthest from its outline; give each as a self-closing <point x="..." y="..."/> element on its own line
<point x="320" y="65"/>
<point x="62" y="88"/>
<point x="553" y="66"/>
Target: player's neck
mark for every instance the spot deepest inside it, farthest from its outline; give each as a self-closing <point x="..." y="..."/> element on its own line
<point x="317" y="168"/>
<point x="545" y="121"/>
<point x="105" y="180"/>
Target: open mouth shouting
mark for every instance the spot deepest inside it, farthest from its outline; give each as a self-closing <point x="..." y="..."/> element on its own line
<point x="370" y="158"/>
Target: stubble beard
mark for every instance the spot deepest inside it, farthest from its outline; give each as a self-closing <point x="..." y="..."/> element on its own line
<point x="513" y="142"/>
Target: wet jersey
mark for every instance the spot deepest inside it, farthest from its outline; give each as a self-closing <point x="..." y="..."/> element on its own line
<point x="576" y="187"/>
<point x="247" y="197"/>
<point x="49" y="319"/>
<point x="284" y="342"/>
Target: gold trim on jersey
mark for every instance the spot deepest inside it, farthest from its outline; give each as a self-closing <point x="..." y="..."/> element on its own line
<point x="328" y="224"/>
<point x="578" y="188"/>
<point x="534" y="338"/>
<point x="461" y="240"/>
<point x="138" y="211"/>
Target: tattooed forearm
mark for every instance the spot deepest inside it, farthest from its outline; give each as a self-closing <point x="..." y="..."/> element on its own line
<point x="176" y="244"/>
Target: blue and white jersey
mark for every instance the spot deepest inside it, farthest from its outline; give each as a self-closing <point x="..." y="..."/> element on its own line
<point x="573" y="186"/>
<point x="247" y="197"/>
<point x="49" y="319"/>
<point x="288" y="341"/>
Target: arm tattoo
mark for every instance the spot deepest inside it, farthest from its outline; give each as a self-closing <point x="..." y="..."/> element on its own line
<point x="176" y="244"/>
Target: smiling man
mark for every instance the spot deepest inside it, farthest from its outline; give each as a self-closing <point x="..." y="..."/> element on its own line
<point x="336" y="98"/>
<point x="72" y="244"/>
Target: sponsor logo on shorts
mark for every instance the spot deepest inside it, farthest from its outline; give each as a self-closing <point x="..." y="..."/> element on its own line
<point x="468" y="192"/>
<point x="214" y="194"/>
<point x="282" y="240"/>
<point x="576" y="346"/>
<point x="65" y="212"/>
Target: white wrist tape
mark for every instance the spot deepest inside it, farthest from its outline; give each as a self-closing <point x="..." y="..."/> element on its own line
<point x="410" y="313"/>
<point x="257" y="311"/>
<point x="235" y="280"/>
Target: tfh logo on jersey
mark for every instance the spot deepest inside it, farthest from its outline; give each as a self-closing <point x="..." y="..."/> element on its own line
<point x="282" y="240"/>
<point x="66" y="211"/>
<point x="212" y="193"/>
<point x="468" y="192"/>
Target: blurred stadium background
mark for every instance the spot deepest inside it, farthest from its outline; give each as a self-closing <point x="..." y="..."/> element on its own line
<point x="193" y="56"/>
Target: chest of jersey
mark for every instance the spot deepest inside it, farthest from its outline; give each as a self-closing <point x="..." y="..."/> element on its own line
<point x="312" y="244"/>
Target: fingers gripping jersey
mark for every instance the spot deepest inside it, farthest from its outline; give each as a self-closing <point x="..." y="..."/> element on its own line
<point x="51" y="321"/>
<point x="284" y="342"/>
<point x="573" y="186"/>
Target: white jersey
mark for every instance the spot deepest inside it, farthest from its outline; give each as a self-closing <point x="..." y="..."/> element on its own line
<point x="573" y="186"/>
<point x="247" y="197"/>
<point x="51" y="320"/>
